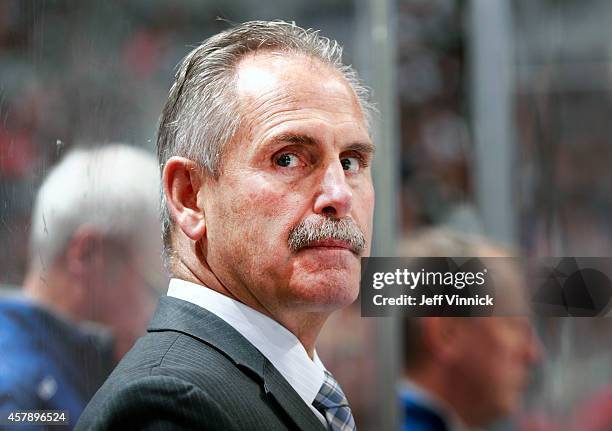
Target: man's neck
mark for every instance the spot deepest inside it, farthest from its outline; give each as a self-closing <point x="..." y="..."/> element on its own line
<point x="447" y="395"/>
<point x="305" y="326"/>
<point x="43" y="289"/>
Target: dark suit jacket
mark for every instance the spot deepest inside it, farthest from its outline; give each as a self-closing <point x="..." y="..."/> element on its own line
<point x="194" y="371"/>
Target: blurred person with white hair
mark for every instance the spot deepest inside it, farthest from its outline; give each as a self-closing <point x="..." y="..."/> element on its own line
<point x="89" y="289"/>
<point x="464" y="373"/>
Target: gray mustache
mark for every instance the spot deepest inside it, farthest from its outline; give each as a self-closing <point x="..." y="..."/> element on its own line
<point x="313" y="229"/>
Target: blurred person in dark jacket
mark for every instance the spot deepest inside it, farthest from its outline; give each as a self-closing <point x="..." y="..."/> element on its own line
<point x="95" y="254"/>
<point x="464" y="373"/>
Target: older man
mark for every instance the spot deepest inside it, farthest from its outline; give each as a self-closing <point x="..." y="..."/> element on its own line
<point x="464" y="373"/>
<point x="92" y="219"/>
<point x="268" y="196"/>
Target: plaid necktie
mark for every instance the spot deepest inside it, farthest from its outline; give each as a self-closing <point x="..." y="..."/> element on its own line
<point x="332" y="403"/>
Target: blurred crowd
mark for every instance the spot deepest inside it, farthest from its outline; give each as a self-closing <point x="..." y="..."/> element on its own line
<point x="95" y="73"/>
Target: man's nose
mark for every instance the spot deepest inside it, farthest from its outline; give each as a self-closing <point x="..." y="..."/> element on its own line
<point x="335" y="195"/>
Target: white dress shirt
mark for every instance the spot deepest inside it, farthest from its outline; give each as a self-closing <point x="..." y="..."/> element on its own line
<point x="273" y="340"/>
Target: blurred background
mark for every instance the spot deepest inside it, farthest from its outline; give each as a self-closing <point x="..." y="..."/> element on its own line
<point x="495" y="119"/>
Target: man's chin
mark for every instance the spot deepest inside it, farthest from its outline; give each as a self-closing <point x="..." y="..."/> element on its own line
<point x="325" y="279"/>
<point x="325" y="293"/>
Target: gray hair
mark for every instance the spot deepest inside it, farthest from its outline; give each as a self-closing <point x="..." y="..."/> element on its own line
<point x="112" y="189"/>
<point x="202" y="114"/>
<point x="445" y="242"/>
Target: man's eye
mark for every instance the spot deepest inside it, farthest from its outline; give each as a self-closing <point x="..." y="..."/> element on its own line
<point x="350" y="164"/>
<point x="288" y="160"/>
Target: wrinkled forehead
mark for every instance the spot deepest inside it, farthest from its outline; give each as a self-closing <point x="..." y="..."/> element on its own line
<point x="267" y="77"/>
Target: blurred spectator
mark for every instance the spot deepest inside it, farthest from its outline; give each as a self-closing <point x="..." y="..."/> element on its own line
<point x="595" y="413"/>
<point x="85" y="299"/>
<point x="463" y="373"/>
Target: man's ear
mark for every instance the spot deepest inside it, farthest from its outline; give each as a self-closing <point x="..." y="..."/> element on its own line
<point x="442" y="334"/>
<point x="182" y="180"/>
<point x="85" y="252"/>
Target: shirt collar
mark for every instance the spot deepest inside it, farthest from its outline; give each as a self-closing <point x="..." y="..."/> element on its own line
<point x="280" y="346"/>
<point x="435" y="404"/>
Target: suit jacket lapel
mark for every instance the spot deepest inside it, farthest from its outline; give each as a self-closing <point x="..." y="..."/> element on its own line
<point x="174" y="314"/>
<point x="276" y="385"/>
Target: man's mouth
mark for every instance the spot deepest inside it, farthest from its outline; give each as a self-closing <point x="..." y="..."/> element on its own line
<point x="332" y="243"/>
